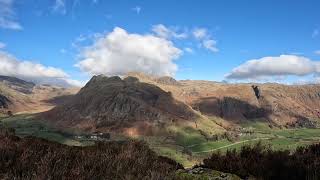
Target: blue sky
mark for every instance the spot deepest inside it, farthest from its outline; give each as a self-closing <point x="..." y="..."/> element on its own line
<point x="63" y="33"/>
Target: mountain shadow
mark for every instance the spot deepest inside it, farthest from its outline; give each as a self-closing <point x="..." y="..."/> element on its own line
<point x="230" y="108"/>
<point x="59" y="100"/>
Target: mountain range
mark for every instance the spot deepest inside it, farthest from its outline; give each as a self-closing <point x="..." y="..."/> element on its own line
<point x="137" y="103"/>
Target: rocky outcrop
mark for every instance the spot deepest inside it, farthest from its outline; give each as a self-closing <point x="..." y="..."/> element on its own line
<point x="4" y="102"/>
<point x="110" y="102"/>
<point x="167" y="80"/>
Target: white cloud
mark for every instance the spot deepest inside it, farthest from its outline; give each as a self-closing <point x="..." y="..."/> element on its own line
<point x="60" y="7"/>
<point x="275" y="66"/>
<point x="207" y="42"/>
<point x="2" y="45"/>
<point x="200" y="33"/>
<point x="167" y="33"/>
<point x="137" y="9"/>
<point x="7" y="16"/>
<point x="210" y="44"/>
<point x="38" y="73"/>
<point x="119" y="52"/>
<point x="315" y="33"/>
<point x="189" y="50"/>
<point x="317" y="52"/>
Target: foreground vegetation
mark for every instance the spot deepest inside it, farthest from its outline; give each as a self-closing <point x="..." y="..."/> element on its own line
<point x="33" y="158"/>
<point x="264" y="163"/>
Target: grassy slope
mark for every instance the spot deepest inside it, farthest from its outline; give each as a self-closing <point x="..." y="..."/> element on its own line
<point x="26" y="125"/>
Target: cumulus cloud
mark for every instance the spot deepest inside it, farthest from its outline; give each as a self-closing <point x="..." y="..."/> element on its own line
<point x="120" y="52"/>
<point x="275" y="66"/>
<point x="317" y="52"/>
<point x="7" y="16"/>
<point x="59" y="7"/>
<point x="38" y="73"/>
<point x="167" y="33"/>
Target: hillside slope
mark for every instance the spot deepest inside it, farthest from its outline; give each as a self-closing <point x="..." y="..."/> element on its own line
<point x="294" y="105"/>
<point x="19" y="96"/>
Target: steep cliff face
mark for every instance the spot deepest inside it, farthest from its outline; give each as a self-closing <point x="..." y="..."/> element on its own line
<point x="280" y="104"/>
<point x="290" y="104"/>
<point x="113" y="103"/>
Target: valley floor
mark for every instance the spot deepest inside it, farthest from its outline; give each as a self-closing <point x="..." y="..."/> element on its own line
<point x="188" y="148"/>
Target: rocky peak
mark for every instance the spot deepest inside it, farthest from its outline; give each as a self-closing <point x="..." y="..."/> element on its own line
<point x="113" y="102"/>
<point x="167" y="80"/>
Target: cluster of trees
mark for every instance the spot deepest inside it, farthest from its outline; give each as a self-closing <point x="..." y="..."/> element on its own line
<point x="34" y="158"/>
<point x="264" y="163"/>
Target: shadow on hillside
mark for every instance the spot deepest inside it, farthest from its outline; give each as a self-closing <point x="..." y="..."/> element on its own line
<point x="4" y="102"/>
<point x="230" y="108"/>
<point x="59" y="100"/>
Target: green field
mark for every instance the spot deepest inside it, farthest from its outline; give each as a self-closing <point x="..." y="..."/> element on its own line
<point x="278" y="139"/>
<point x="189" y="146"/>
<point x="26" y="125"/>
